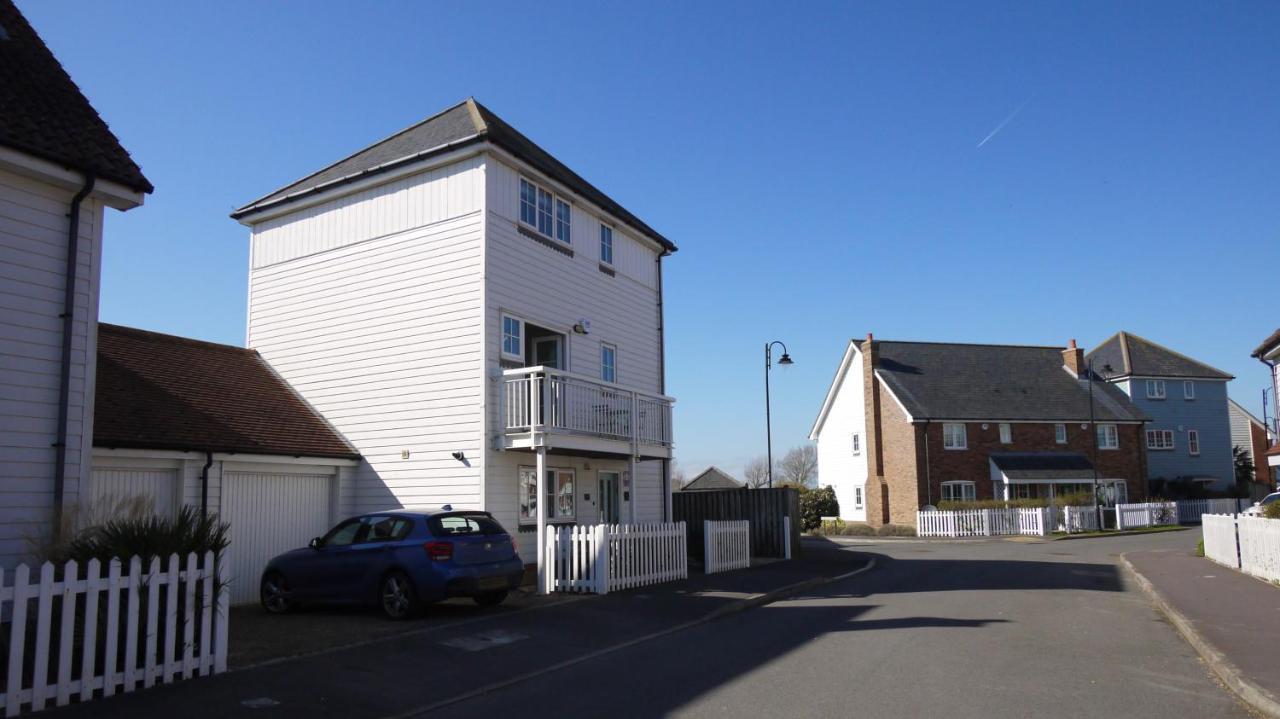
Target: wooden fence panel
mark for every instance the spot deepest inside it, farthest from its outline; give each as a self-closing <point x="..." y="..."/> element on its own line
<point x="763" y="508"/>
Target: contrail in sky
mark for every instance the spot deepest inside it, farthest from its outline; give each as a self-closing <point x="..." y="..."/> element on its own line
<point x="1003" y="122"/>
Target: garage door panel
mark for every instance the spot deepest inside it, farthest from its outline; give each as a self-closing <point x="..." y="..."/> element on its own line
<point x="270" y="514"/>
<point x="159" y="485"/>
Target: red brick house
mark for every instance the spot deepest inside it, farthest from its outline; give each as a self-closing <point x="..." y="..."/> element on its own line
<point x="907" y="425"/>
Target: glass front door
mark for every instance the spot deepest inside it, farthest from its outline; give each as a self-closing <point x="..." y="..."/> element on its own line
<point x="547" y="352"/>
<point x="610" y="507"/>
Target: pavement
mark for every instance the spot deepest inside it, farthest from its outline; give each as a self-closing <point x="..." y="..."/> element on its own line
<point x="1231" y="618"/>
<point x="445" y="664"/>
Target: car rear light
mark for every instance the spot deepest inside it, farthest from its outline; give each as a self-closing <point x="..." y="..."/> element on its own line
<point x="439" y="551"/>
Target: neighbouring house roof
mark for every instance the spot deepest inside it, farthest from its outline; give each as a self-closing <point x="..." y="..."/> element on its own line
<point x="43" y="113"/>
<point x="938" y="380"/>
<point x="1239" y="410"/>
<point x="464" y="124"/>
<point x="1131" y="355"/>
<point x="157" y="391"/>
<point x="1043" y="465"/>
<point x="712" y="478"/>
<point x="1268" y="345"/>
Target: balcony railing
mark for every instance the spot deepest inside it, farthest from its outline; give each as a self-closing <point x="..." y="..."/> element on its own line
<point x="541" y="399"/>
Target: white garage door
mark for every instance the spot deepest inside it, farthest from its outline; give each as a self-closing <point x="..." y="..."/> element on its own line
<point x="112" y="486"/>
<point x="270" y="514"/>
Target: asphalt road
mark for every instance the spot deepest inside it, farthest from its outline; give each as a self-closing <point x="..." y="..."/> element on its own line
<point x="990" y="629"/>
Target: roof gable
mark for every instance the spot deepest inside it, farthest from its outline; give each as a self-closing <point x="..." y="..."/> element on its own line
<point x="157" y="391"/>
<point x="43" y="113"/>
<point x="712" y="478"/>
<point x="1269" y="345"/>
<point x="463" y="124"/>
<point x="846" y="361"/>
<point x="1131" y="355"/>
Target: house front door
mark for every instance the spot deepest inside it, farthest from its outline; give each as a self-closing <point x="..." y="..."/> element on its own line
<point x="610" y="507"/>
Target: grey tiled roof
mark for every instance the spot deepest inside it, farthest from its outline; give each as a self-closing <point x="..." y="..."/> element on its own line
<point x="1267" y="344"/>
<point x="712" y="478"/>
<point x="935" y="380"/>
<point x="43" y="113"/>
<point x="1043" y="465"/>
<point x="1128" y="354"/>
<point x="463" y="124"/>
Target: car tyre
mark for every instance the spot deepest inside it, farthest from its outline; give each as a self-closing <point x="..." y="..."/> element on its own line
<point x="398" y="599"/>
<point x="274" y="594"/>
<point x="491" y="599"/>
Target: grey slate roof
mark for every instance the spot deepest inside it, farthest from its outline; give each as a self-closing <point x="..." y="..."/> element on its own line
<point x="464" y="124"/>
<point x="1131" y="355"/>
<point x="1043" y="465"/>
<point x="711" y="478"/>
<point x="43" y="113"/>
<point x="1267" y="345"/>
<point x="936" y="380"/>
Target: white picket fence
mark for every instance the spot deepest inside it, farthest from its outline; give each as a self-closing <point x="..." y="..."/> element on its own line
<point x="608" y="557"/>
<point x="99" y="634"/>
<point x="1146" y="514"/>
<point x="1074" y="520"/>
<point x="983" y="522"/>
<point x="726" y="545"/>
<point x="1190" y="510"/>
<point x="1250" y="544"/>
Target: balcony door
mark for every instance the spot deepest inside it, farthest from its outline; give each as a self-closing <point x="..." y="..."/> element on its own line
<point x="547" y="351"/>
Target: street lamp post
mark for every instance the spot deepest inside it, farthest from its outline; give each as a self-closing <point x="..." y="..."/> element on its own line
<point x="784" y="361"/>
<point x="1093" y="427"/>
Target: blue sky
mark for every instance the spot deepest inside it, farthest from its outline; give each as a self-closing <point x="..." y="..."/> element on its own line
<point x="820" y="169"/>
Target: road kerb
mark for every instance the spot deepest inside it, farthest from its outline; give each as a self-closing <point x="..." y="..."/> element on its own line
<point x="1255" y="696"/>
<point x="754" y="600"/>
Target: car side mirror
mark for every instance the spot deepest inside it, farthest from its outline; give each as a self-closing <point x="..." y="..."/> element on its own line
<point x="315" y="543"/>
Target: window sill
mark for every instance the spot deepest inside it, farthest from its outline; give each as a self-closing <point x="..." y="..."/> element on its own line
<point x="608" y="270"/>
<point x="550" y="523"/>
<point x="544" y="240"/>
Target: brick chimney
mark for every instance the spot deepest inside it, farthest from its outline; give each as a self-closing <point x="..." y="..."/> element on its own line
<point x="1073" y="359"/>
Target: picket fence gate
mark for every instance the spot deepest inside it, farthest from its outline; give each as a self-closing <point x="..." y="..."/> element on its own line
<point x="1146" y="514"/>
<point x="608" y="557"/>
<point x="1250" y="544"/>
<point x="727" y="545"/>
<point x="983" y="522"/>
<point x="97" y="646"/>
<point x="1190" y="510"/>
<point x="1075" y="520"/>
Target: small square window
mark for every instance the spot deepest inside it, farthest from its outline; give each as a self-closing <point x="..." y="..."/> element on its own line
<point x="953" y="436"/>
<point x="1060" y="433"/>
<point x="1006" y="433"/>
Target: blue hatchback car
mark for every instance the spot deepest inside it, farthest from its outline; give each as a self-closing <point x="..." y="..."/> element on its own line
<point x="400" y="560"/>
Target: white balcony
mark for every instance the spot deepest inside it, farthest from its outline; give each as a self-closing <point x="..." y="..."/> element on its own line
<point x="547" y="407"/>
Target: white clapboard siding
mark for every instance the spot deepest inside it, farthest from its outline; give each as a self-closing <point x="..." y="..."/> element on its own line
<point x="86" y="605"/>
<point x="610" y="557"/>
<point x="726" y="545"/>
<point x="159" y="485"/>
<point x="270" y="514"/>
<point x="33" y="246"/>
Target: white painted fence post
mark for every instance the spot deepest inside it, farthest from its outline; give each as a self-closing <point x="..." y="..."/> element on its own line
<point x="602" y="559"/>
<point x="18" y="640"/>
<point x="224" y="614"/>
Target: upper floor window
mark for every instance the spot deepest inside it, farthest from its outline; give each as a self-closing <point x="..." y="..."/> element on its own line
<point x="1160" y="439"/>
<point x="1193" y="442"/>
<point x="953" y="436"/>
<point x="1155" y="389"/>
<point x="606" y="244"/>
<point x="608" y="363"/>
<point x="541" y="210"/>
<point x="857" y="443"/>
<point x="1188" y="389"/>
<point x="959" y="491"/>
<point x="1108" y="437"/>
<point x="1060" y="433"/>
<point x="512" y="338"/>
<point x="1006" y="433"/>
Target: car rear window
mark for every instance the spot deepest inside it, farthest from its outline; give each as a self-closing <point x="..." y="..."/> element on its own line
<point x="452" y="525"/>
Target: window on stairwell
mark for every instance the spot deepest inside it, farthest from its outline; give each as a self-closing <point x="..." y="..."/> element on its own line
<point x="959" y="491"/>
<point x="857" y="498"/>
<point x="857" y="444"/>
<point x="1193" y="442"/>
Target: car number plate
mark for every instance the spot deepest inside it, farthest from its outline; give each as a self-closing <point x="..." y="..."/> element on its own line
<point x="493" y="583"/>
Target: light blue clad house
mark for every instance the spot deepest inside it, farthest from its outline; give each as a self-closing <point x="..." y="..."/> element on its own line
<point x="1189" y="436"/>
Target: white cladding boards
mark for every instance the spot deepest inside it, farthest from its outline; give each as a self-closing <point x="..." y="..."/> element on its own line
<point x="414" y="201"/>
<point x="33" y="251"/>
<point x="632" y="259"/>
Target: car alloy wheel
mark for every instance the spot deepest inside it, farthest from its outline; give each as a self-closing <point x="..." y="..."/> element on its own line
<point x="275" y="594"/>
<point x="398" y="600"/>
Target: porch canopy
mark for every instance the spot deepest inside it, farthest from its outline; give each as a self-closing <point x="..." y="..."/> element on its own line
<point x="1022" y="475"/>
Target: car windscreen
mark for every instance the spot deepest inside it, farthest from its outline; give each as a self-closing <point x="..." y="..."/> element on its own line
<point x="453" y="525"/>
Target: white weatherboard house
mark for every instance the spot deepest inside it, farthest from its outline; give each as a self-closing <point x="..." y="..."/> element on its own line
<point x="60" y="168"/>
<point x="482" y="324"/>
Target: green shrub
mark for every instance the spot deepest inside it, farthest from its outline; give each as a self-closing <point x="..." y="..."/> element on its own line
<point x="840" y="528"/>
<point x="148" y="536"/>
<point x="816" y="504"/>
<point x="1200" y="548"/>
<point x="1271" y="511"/>
<point x="896" y="530"/>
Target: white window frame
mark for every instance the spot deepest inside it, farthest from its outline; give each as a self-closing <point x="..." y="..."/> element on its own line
<point x="1188" y="389"/>
<point x="557" y="478"/>
<point x="606" y="368"/>
<point x="1060" y="433"/>
<point x="856" y="443"/>
<point x="1193" y="442"/>
<point x="1160" y="440"/>
<point x="968" y="491"/>
<point x="1156" y="389"/>
<point x="1108" y="436"/>
<point x="606" y="242"/>
<point x="550" y="213"/>
<point x="947" y="438"/>
<point x="1006" y="433"/>
<point x="858" y="502"/>
<point x="502" y="343"/>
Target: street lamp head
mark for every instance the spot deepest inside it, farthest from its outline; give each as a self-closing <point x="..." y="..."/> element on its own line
<point x="785" y="360"/>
